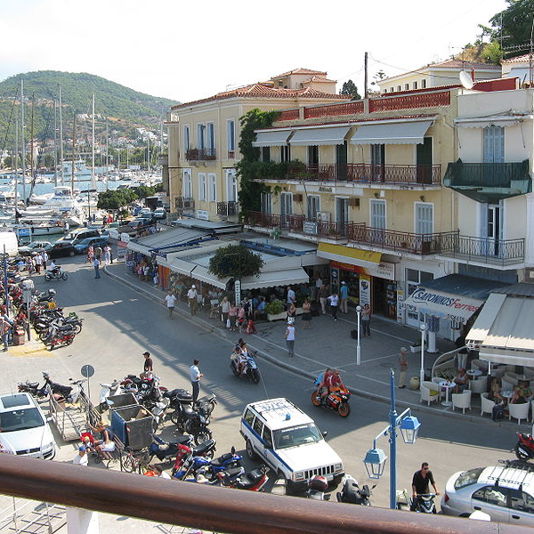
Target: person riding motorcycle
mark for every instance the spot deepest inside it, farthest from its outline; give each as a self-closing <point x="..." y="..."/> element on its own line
<point x="322" y="382"/>
<point x="53" y="268"/>
<point x="241" y="350"/>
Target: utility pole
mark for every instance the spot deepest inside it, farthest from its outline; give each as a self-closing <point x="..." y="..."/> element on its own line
<point x="530" y="55"/>
<point x="61" y="160"/>
<point x="32" y="161"/>
<point x="107" y="145"/>
<point x="23" y="140"/>
<point x="365" y="95"/>
<point x="148" y="154"/>
<point x="55" y="143"/>
<point x="73" y="152"/>
<point x="16" y="163"/>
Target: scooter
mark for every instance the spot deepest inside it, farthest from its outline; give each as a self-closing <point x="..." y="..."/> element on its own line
<point x="253" y="480"/>
<point x="56" y="274"/>
<point x="250" y="369"/>
<point x="317" y="487"/>
<point x="524" y="448"/>
<point x="164" y="450"/>
<point x="424" y="503"/>
<point x="64" y="393"/>
<point x="351" y="492"/>
<point x="108" y="390"/>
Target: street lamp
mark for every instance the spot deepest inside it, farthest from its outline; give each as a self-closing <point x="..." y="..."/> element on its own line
<point x="422" y="370"/>
<point x="375" y="459"/>
<point x="358" y="349"/>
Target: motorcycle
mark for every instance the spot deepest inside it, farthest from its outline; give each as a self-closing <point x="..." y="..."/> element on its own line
<point x="33" y="389"/>
<point x="524" y="448"/>
<point x="56" y="274"/>
<point x="424" y="504"/>
<point x="351" y="492"/>
<point x="64" y="393"/>
<point x="164" y="450"/>
<point x="108" y="390"/>
<point x="210" y="467"/>
<point x="253" y="480"/>
<point x="194" y="421"/>
<point x="317" y="487"/>
<point x="59" y="335"/>
<point x="250" y="369"/>
<point x="337" y="400"/>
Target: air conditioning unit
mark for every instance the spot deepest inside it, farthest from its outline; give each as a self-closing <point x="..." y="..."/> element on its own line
<point x="323" y="216"/>
<point x="298" y="197"/>
<point x="354" y="202"/>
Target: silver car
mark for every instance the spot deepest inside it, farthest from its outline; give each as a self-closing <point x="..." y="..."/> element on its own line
<point x="504" y="492"/>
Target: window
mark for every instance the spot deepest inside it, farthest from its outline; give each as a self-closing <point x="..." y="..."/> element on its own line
<point x="398" y="87"/>
<point x="414" y="278"/>
<point x="378" y="159"/>
<point x="249" y="416"/>
<point x="313" y="203"/>
<point x="202" y="193"/>
<point x="313" y="156"/>
<point x="415" y="85"/>
<point x="201" y="136"/>
<point x="493" y="141"/>
<point x="267" y="438"/>
<point x="266" y="153"/>
<point x="230" y="135"/>
<point x="406" y="86"/>
<point x="424" y="218"/>
<point x="519" y="500"/>
<point x="231" y="186"/>
<point x="266" y="203"/>
<point x="385" y="90"/>
<point x="392" y="90"/>
<point x="285" y="153"/>
<point x="187" y="187"/>
<point x="378" y="214"/>
<point x="423" y="84"/>
<point x="258" y="426"/>
<point x="491" y="495"/>
<point x="212" y="187"/>
<point x="211" y="139"/>
<point x="187" y="139"/>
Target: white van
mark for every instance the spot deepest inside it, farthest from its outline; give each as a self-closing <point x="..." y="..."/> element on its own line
<point x="8" y="239"/>
<point x="288" y="440"/>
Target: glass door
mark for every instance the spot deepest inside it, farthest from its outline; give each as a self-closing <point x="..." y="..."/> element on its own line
<point x="286" y="209"/>
<point x="494" y="225"/>
<point x="342" y="215"/>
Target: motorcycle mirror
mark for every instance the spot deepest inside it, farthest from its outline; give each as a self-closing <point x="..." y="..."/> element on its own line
<point x="232" y="450"/>
<point x="324" y="433"/>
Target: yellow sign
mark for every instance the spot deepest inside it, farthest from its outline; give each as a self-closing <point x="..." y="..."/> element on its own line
<point x="349" y="252"/>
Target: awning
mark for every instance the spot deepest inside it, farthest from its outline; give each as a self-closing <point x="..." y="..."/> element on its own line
<point x="203" y="275"/>
<point x="489" y="121"/>
<point x="503" y="331"/>
<point x="344" y="254"/>
<point x="320" y="136"/>
<point x="275" y="279"/>
<point x="391" y="133"/>
<point x="454" y="296"/>
<point x="272" y="138"/>
<point x="163" y="240"/>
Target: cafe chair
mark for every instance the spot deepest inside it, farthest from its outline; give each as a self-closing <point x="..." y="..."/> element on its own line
<point x="429" y="392"/>
<point x="461" y="400"/>
<point x="479" y="386"/>
<point x="518" y="411"/>
<point x="486" y="405"/>
<point x="437" y="380"/>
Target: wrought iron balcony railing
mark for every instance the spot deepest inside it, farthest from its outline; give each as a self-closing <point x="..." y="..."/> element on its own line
<point x="185" y="203"/>
<point x="486" y="174"/>
<point x="227" y="209"/>
<point x="198" y="154"/>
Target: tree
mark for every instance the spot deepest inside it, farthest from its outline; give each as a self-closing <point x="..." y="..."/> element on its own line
<point x="514" y="23"/>
<point x="236" y="261"/>
<point x="349" y="89"/>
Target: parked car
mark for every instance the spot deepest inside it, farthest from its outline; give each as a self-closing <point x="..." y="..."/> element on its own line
<point x="504" y="492"/>
<point x="160" y="213"/>
<point x="84" y="244"/>
<point x="145" y="212"/>
<point x="25" y="431"/>
<point x="61" y="249"/>
<point x="35" y="246"/>
<point x="76" y="236"/>
<point x="288" y="440"/>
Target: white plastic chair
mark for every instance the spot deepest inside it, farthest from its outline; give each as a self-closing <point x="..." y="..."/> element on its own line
<point x="479" y="386"/>
<point x="429" y="392"/>
<point x="462" y="400"/>
<point x="506" y="385"/>
<point x="486" y="405"/>
<point x="518" y="411"/>
<point x="437" y="380"/>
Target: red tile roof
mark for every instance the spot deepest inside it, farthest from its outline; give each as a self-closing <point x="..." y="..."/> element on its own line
<point x="517" y="59"/>
<point x="260" y="90"/>
<point x="458" y="63"/>
<point x="301" y="71"/>
<point x="319" y="79"/>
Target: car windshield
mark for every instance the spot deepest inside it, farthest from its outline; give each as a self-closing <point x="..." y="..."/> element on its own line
<point x="295" y="436"/>
<point x="22" y="419"/>
<point x="467" y="478"/>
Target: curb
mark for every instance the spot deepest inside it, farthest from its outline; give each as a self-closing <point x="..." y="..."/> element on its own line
<point x="271" y="359"/>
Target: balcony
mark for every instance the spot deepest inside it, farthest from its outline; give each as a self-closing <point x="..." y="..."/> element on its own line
<point x="489" y="182"/>
<point x="184" y="203"/>
<point x="200" y="154"/>
<point x="360" y="233"/>
<point x="496" y="252"/>
<point x="363" y="173"/>
<point x="227" y="209"/>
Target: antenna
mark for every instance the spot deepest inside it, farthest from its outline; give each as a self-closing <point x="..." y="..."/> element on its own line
<point x="466" y="80"/>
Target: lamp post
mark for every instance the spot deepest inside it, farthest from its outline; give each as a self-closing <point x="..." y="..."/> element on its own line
<point x="375" y="459"/>
<point x="422" y="370"/>
<point x="358" y="348"/>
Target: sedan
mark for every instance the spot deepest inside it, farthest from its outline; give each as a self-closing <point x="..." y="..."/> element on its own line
<point x="62" y="248"/>
<point x="160" y="213"/>
<point x="35" y="246"/>
<point x="84" y="244"/>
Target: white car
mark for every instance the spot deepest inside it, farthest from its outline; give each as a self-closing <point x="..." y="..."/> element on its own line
<point x="504" y="492"/>
<point x="24" y="430"/>
<point x="160" y="213"/>
<point x="286" y="439"/>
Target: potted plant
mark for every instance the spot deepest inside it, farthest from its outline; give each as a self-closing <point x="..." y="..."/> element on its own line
<point x="275" y="310"/>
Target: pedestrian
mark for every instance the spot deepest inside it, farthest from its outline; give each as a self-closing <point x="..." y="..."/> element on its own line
<point x="38" y="263"/>
<point x="306" y="314"/>
<point x="170" y="301"/>
<point x="366" y="320"/>
<point x="30" y="265"/>
<point x="107" y="254"/>
<point x="96" y="265"/>
<point x="344" y="293"/>
<point x="333" y="300"/>
<point x="290" y="337"/>
<point x="323" y="295"/>
<point x="420" y="482"/>
<point x="44" y="257"/>
<point x="90" y="253"/>
<point x="5" y="327"/>
<point x="66" y="227"/>
<point x="291" y="312"/>
<point x="318" y="286"/>
<point x="81" y="458"/>
<point x="160" y="473"/>
<point x="225" y="310"/>
<point x="291" y="297"/>
<point x="98" y="252"/>
<point x="196" y="375"/>
<point x="192" y="299"/>
<point x="403" y="367"/>
<point x="148" y="366"/>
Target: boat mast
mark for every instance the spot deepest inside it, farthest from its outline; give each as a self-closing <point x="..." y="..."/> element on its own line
<point x="73" y="152"/>
<point x="23" y="140"/>
<point x="55" y="142"/>
<point x="148" y="154"/>
<point x="61" y="160"/>
<point x="16" y="162"/>
<point x="93" y="184"/>
<point x="32" y="160"/>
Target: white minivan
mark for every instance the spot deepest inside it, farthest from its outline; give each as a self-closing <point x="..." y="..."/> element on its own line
<point x="24" y="430"/>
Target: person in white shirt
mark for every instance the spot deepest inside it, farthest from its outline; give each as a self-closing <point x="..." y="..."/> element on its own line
<point x="161" y="474"/>
<point x="196" y="375"/>
<point x="192" y="298"/>
<point x="96" y="265"/>
<point x="170" y="301"/>
<point x="81" y="458"/>
<point x="290" y="337"/>
<point x="333" y="300"/>
<point x="44" y="257"/>
<point x="38" y="263"/>
<point x="291" y="297"/>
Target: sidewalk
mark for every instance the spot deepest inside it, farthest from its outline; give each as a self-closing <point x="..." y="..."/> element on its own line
<point x="327" y="343"/>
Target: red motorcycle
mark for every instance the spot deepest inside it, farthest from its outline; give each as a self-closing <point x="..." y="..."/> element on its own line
<point x="524" y="448"/>
<point x="337" y="400"/>
<point x="60" y="335"/>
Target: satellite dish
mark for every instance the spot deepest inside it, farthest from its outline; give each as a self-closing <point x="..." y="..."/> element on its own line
<point x="466" y="80"/>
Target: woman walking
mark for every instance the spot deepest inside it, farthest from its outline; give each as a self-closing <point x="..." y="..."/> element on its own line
<point x="306" y="314"/>
<point x="366" y="320"/>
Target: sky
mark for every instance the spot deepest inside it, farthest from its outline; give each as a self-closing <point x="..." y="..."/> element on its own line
<point x="187" y="50"/>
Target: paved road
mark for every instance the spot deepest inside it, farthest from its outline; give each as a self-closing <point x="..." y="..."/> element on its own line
<point x="120" y="325"/>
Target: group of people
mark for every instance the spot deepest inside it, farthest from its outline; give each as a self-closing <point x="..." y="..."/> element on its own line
<point x="98" y="256"/>
<point x="328" y="381"/>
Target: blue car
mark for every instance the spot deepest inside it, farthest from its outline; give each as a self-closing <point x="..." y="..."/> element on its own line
<point x="84" y="244"/>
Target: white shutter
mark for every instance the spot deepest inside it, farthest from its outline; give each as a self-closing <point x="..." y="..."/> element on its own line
<point x="378" y="214"/>
<point x="201" y="186"/>
<point x="424" y="218"/>
<point x="212" y="187"/>
<point x="231" y="185"/>
<point x="230" y="135"/>
<point x="186" y="184"/>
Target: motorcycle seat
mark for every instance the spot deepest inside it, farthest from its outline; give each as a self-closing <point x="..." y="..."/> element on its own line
<point x="201" y="449"/>
<point x="233" y="472"/>
<point x="32" y="384"/>
<point x="249" y="479"/>
<point x="65" y="328"/>
<point x="183" y="440"/>
<point x="188" y="410"/>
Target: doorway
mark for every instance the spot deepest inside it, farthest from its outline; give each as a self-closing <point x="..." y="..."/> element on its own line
<point x="424" y="161"/>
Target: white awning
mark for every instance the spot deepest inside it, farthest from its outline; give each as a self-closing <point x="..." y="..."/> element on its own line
<point x="272" y="138"/>
<point x="203" y="275"/>
<point x="180" y="237"/>
<point x="275" y="279"/>
<point x="391" y="133"/>
<point x="483" y="122"/>
<point x="320" y="136"/>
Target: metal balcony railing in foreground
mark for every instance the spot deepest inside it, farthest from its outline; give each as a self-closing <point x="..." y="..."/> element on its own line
<point x="213" y="508"/>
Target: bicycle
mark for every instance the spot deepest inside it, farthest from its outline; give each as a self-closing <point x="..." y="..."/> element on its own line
<point x="135" y="461"/>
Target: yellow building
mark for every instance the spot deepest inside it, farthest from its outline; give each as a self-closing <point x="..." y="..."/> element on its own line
<point x="204" y="136"/>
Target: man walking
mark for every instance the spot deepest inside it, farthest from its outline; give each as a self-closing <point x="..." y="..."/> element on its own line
<point x="291" y="297"/>
<point x="421" y="480"/>
<point x="38" y="263"/>
<point x="344" y="297"/>
<point x="333" y="300"/>
<point x="366" y="320"/>
<point x="196" y="375"/>
<point x="403" y="367"/>
<point x="323" y="295"/>
<point x="192" y="299"/>
<point x="96" y="265"/>
<point x="148" y="366"/>
<point x="170" y="301"/>
<point x="44" y="257"/>
<point x="290" y="337"/>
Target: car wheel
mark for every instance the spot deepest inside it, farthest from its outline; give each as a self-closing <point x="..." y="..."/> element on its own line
<point x="250" y="450"/>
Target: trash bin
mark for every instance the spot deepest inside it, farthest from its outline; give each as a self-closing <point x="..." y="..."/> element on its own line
<point x="19" y="336"/>
<point x="121" y="400"/>
<point x="414" y="383"/>
<point x="133" y="425"/>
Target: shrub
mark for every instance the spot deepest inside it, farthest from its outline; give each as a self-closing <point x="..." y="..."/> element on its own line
<point x="275" y="307"/>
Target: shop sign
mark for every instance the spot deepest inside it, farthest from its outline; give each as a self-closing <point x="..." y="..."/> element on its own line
<point x="400" y="305"/>
<point x="365" y="290"/>
<point x="381" y="270"/>
<point x="309" y="227"/>
<point x="202" y="215"/>
<point x="237" y="291"/>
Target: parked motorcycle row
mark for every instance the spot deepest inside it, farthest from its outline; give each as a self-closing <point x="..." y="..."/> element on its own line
<point x="60" y="392"/>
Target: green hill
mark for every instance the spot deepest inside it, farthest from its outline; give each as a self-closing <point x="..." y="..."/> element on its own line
<point x="122" y="106"/>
